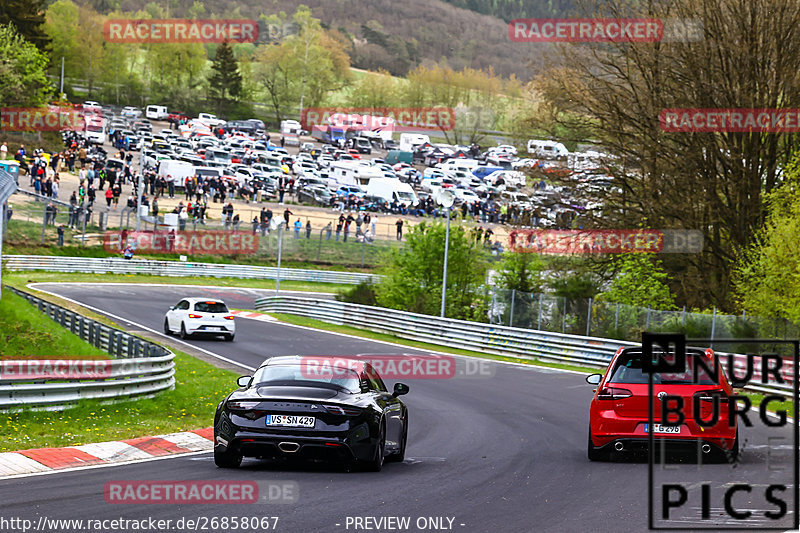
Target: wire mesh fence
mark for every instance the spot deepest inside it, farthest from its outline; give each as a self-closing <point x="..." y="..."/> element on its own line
<point x="586" y="316"/>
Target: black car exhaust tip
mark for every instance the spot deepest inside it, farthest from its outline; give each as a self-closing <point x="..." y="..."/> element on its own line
<point x="705" y="448"/>
<point x="288" y="447"/>
<point x="619" y="446"/>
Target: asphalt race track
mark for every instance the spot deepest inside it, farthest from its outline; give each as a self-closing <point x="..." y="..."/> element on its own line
<point x="505" y="453"/>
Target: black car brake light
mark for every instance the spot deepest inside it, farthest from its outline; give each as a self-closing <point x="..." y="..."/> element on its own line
<point x="242" y="405"/>
<point x="613" y="393"/>
<point x="342" y="410"/>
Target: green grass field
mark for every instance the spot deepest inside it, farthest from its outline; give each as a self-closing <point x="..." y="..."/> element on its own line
<point x="27" y="333"/>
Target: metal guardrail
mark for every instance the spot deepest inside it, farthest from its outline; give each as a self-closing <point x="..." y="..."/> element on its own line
<point x="95" y="265"/>
<point x="477" y="336"/>
<point x="140" y="367"/>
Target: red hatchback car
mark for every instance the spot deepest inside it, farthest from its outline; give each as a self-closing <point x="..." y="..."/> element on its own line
<point x="618" y="415"/>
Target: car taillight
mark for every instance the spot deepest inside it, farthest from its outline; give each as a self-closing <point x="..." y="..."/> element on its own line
<point x="613" y="393"/>
<point x="342" y="410"/>
<point x="242" y="405"/>
<point x="195" y="316"/>
<point x="230" y="317"/>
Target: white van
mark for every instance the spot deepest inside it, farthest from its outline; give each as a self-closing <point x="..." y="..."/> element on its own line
<point x="94" y="129"/>
<point x="409" y="141"/>
<point x="391" y="190"/>
<point x="175" y="171"/>
<point x="156" y="112"/>
<point x="548" y="149"/>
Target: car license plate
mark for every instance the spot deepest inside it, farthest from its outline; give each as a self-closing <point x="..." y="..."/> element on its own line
<point x="660" y="428"/>
<point x="291" y="421"/>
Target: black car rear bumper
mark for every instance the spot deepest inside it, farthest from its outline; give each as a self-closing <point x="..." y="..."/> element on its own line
<point x="272" y="446"/>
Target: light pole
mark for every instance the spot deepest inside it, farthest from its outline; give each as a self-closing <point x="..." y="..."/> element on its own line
<point x="446" y="199"/>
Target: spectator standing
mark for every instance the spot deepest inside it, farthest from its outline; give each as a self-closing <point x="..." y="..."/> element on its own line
<point x="60" y="230"/>
<point x="328" y="231"/>
<point x="399" y="225"/>
<point x="3" y="152"/>
<point x="339" y="225"/>
<point x="308" y="229"/>
<point x="297" y="227"/>
<point x="116" y="192"/>
<point x="349" y="220"/>
<point x="109" y="197"/>
<point x="374" y="223"/>
<point x="286" y="215"/>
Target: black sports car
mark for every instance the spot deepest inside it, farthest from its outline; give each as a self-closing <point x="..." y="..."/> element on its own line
<point x="312" y="407"/>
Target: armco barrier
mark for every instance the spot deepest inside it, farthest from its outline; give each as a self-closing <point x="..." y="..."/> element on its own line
<point x="139" y="367"/>
<point x="476" y="336"/>
<point x="115" y="265"/>
<point x="500" y="340"/>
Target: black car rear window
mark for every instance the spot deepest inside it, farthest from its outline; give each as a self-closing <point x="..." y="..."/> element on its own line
<point x="210" y="307"/>
<point x="628" y="369"/>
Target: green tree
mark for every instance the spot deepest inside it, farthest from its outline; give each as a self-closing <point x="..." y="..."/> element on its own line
<point x="521" y="272"/>
<point x="22" y="71"/>
<point x="374" y="90"/>
<point x="767" y="275"/>
<point x="641" y="281"/>
<point x="28" y="18"/>
<point x="413" y="274"/>
<point x="226" y="81"/>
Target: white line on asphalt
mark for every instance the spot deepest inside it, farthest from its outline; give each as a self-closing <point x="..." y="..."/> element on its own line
<point x="531" y="367"/>
<point x="121" y="319"/>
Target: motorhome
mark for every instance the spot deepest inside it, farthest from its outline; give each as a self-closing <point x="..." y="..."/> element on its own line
<point x="353" y="173"/>
<point x="409" y="141"/>
<point x="156" y="112"/>
<point x="290" y="127"/>
<point x="548" y="149"/>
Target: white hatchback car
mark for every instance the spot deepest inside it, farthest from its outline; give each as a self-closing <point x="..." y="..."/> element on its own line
<point x="200" y="316"/>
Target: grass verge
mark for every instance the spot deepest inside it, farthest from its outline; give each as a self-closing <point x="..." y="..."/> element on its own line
<point x="19" y="279"/>
<point x="199" y="386"/>
<point x="28" y="333"/>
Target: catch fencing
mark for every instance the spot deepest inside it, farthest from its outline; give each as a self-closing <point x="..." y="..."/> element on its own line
<point x="95" y="265"/>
